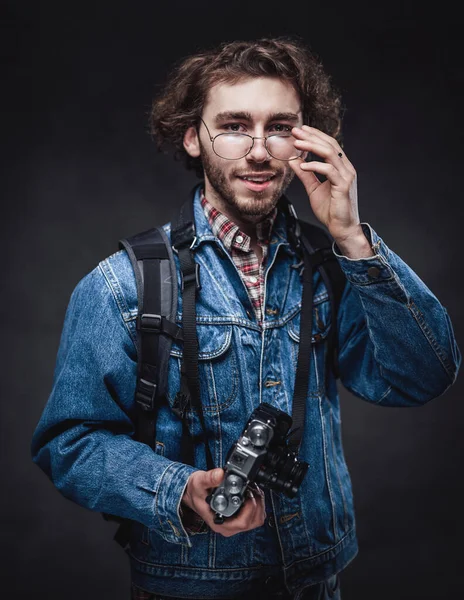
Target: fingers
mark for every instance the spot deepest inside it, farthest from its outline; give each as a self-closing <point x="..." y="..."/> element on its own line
<point x="317" y="133"/>
<point x="338" y="170"/>
<point x="198" y="485"/>
<point x="313" y="140"/>
<point x="251" y="515"/>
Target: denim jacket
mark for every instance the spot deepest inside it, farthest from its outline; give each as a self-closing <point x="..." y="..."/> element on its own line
<point x="397" y="348"/>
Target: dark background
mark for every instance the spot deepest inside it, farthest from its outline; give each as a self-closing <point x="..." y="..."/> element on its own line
<point x="80" y="172"/>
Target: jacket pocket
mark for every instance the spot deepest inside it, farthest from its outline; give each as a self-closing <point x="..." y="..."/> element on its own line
<point x="217" y="368"/>
<point x="321" y="322"/>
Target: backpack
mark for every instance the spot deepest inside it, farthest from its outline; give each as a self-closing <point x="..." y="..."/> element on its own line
<point x="152" y="259"/>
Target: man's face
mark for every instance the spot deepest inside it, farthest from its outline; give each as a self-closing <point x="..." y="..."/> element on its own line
<point x="259" y="107"/>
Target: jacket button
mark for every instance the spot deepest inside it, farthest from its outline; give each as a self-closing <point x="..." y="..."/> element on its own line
<point x="271" y="521"/>
<point x="373" y="272"/>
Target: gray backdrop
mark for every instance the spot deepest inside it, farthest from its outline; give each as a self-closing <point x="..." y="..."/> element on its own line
<point x="80" y="172"/>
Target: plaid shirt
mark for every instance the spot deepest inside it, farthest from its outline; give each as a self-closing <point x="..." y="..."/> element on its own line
<point x="238" y="244"/>
<point x="245" y="259"/>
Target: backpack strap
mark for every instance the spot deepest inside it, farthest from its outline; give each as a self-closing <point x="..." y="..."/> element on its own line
<point x="323" y="258"/>
<point x="155" y="275"/>
<point x="314" y="246"/>
<point x="317" y="242"/>
<point x="182" y="239"/>
<point x="151" y="257"/>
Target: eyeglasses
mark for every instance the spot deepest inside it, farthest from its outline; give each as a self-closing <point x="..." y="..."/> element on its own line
<point x="234" y="145"/>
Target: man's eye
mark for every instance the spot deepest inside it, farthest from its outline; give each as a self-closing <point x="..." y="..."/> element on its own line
<point x="280" y="127"/>
<point x="232" y="127"/>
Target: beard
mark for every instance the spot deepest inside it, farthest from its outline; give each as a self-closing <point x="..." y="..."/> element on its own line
<point x="250" y="207"/>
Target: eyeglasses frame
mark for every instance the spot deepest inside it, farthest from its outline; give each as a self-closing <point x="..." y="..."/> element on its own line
<point x="253" y="138"/>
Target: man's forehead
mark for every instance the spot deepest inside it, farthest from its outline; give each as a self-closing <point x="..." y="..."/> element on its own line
<point x="259" y="98"/>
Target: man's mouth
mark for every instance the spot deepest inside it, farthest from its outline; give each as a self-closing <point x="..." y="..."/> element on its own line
<point x="257" y="182"/>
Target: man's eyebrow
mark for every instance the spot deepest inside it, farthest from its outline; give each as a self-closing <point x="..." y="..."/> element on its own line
<point x="284" y="116"/>
<point x="230" y="114"/>
<point x="246" y="116"/>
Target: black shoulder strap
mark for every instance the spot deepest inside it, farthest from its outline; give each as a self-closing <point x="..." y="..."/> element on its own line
<point x="315" y="241"/>
<point x="319" y="243"/>
<point x="182" y="239"/>
<point x="314" y="246"/>
<point x="153" y="263"/>
<point x="155" y="275"/>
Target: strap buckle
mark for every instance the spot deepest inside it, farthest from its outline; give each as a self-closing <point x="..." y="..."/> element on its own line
<point x="149" y="323"/>
<point x="180" y="405"/>
<point x="189" y="277"/>
<point x="185" y="236"/>
<point x="145" y="394"/>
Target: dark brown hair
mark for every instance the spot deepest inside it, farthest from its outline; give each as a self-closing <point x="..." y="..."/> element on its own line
<point x="180" y="103"/>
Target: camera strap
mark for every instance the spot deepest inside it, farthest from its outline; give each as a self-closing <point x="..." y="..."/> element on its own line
<point x="316" y="254"/>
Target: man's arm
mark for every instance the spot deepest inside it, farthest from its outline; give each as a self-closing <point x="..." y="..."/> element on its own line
<point x="397" y="345"/>
<point x="83" y="441"/>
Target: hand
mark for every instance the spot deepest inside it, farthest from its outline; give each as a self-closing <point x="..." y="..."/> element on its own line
<point x="335" y="201"/>
<point x="252" y="514"/>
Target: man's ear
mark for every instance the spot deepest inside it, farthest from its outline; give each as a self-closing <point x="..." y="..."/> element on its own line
<point x="191" y="142"/>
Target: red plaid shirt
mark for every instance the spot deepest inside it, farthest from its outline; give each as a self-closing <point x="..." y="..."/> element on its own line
<point x="237" y="243"/>
<point x="245" y="259"/>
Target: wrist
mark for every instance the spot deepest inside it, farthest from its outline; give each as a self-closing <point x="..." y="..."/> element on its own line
<point x="354" y="245"/>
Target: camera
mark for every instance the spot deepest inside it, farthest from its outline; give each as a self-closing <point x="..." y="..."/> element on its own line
<point x="260" y="456"/>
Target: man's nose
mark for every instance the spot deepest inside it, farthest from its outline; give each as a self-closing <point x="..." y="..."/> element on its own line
<point x="259" y="152"/>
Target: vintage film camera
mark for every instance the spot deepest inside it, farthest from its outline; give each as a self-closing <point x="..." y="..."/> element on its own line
<point x="261" y="456"/>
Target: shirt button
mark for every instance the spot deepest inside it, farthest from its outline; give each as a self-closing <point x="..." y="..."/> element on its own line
<point x="239" y="239"/>
<point x="253" y="279"/>
<point x="271" y="521"/>
<point x="373" y="272"/>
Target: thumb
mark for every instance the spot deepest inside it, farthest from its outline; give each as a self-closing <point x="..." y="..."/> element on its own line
<point x="308" y="178"/>
<point x="216" y="476"/>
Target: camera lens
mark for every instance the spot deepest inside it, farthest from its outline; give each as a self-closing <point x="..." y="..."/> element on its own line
<point x="282" y="473"/>
<point x="295" y="478"/>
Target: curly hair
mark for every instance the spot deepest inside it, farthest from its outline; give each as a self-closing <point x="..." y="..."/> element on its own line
<point x="181" y="101"/>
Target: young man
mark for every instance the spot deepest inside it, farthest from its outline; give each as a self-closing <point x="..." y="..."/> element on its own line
<point x="246" y="116"/>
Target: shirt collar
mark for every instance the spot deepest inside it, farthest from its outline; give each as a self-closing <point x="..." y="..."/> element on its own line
<point x="204" y="232"/>
<point x="230" y="234"/>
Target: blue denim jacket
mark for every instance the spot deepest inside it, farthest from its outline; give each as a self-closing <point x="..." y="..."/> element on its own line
<point x="397" y="348"/>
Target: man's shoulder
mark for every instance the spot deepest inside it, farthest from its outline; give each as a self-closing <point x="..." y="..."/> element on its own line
<point x="118" y="274"/>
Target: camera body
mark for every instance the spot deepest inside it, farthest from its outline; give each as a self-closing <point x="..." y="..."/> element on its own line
<point x="260" y="455"/>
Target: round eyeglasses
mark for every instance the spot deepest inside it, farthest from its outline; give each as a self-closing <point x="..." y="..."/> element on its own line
<point x="234" y="145"/>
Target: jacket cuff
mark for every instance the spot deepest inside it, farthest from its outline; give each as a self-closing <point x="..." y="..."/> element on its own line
<point x="168" y="497"/>
<point x="369" y="270"/>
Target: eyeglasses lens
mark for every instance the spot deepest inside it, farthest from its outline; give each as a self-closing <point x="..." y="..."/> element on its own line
<point x="233" y="146"/>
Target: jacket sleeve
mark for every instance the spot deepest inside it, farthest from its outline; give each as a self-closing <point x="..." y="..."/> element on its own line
<point x="83" y="440"/>
<point x="396" y="341"/>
